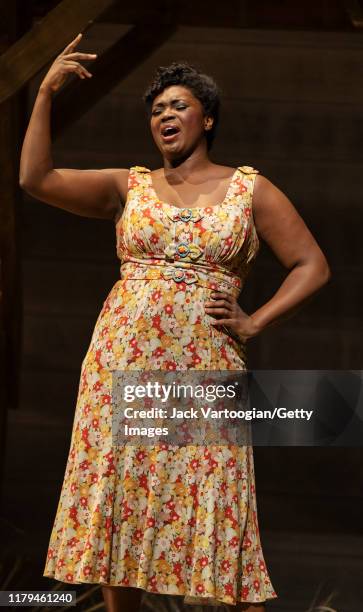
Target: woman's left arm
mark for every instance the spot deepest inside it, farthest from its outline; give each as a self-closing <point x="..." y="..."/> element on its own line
<point x="278" y="223"/>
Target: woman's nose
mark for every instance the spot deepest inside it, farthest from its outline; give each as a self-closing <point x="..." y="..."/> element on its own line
<point x="167" y="115"/>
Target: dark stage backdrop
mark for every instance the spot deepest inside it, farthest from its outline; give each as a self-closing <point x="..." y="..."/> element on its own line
<point x="291" y="108"/>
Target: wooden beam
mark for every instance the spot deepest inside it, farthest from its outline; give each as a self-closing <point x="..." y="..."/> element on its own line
<point x="355" y="13"/>
<point x="112" y="66"/>
<point x="42" y="43"/>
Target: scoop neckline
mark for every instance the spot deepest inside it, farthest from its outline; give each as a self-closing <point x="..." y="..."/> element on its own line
<point x="219" y="205"/>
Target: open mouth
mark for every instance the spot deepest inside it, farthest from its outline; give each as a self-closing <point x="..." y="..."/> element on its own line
<point x="168" y="133"/>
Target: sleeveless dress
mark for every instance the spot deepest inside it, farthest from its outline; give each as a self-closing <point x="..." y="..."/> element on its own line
<point x="143" y="515"/>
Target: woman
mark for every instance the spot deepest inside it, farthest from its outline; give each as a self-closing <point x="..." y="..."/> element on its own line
<point x="169" y="519"/>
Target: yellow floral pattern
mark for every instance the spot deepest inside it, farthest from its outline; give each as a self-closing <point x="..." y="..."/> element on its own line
<point x="173" y="520"/>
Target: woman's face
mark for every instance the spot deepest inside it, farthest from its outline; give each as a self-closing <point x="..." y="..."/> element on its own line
<point x="178" y="122"/>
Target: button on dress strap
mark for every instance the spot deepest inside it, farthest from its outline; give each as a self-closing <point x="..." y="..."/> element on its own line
<point x="248" y="170"/>
<point x="140" y="169"/>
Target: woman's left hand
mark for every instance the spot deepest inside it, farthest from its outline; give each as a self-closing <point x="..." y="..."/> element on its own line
<point x="233" y="316"/>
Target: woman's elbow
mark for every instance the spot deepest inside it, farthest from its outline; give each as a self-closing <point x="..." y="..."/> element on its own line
<point x="318" y="270"/>
<point x="29" y="185"/>
<point x="323" y="272"/>
<point x="24" y="182"/>
<point x="328" y="274"/>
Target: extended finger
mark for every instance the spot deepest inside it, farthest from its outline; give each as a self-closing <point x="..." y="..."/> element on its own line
<point x="77" y="55"/>
<point x="77" y="68"/>
<point x="72" y="45"/>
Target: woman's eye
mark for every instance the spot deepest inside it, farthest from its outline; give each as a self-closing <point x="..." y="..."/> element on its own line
<point x="157" y="111"/>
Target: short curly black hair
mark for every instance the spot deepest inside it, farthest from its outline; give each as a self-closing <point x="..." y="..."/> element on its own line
<point x="202" y="86"/>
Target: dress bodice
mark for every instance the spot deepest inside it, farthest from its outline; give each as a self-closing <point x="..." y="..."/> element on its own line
<point x="188" y="244"/>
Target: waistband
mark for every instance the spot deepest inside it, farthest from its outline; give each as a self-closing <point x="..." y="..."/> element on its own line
<point x="182" y="273"/>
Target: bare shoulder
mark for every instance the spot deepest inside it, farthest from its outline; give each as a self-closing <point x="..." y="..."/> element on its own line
<point x="275" y="216"/>
<point x="268" y="197"/>
<point x="262" y="186"/>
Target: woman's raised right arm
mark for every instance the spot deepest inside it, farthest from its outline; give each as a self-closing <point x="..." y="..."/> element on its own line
<point x="89" y="193"/>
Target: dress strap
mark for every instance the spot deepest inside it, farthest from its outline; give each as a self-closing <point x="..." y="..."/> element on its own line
<point x="137" y="176"/>
<point x="247" y="179"/>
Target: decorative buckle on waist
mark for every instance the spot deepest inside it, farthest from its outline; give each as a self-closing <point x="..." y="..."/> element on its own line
<point x="180" y="275"/>
<point x="183" y="251"/>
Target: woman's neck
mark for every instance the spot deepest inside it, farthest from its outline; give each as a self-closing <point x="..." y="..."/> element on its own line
<point x="194" y="163"/>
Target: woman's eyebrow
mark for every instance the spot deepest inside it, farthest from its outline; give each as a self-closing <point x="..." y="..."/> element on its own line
<point x="172" y="101"/>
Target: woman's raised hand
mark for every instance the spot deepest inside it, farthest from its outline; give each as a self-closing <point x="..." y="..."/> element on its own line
<point x="232" y="315"/>
<point x="66" y="63"/>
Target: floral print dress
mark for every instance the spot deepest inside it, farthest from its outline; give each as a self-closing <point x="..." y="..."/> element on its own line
<point x="179" y="520"/>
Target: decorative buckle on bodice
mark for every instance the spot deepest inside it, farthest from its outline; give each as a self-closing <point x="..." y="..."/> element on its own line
<point x="183" y="250"/>
<point x="186" y="215"/>
<point x="180" y="275"/>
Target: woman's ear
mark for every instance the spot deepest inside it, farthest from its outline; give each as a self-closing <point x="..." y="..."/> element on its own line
<point x="208" y="123"/>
